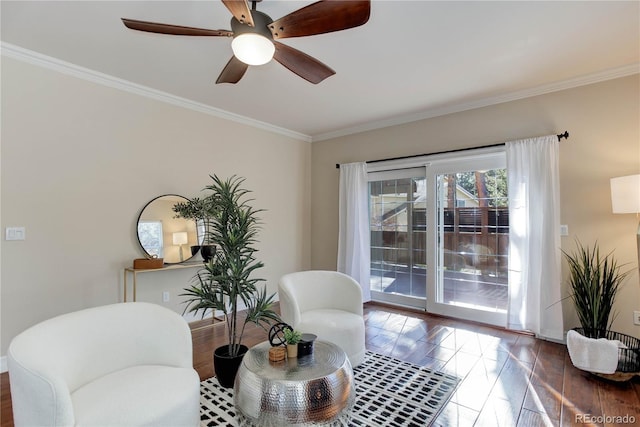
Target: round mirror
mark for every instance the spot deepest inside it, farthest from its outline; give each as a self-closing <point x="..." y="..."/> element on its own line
<point x="161" y="234"/>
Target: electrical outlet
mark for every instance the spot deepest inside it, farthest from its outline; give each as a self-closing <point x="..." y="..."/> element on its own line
<point x="165" y="296"/>
<point x="636" y="318"/>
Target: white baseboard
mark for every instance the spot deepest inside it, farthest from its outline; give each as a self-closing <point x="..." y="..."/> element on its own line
<point x="3" y="364"/>
<point x="190" y="317"/>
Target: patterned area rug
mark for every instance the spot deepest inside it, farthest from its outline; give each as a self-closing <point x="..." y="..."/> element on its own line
<point x="389" y="393"/>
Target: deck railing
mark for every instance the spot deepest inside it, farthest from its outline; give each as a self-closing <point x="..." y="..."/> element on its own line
<point x="473" y="237"/>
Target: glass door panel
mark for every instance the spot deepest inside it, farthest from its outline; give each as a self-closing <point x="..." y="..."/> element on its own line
<point x="397" y="217"/>
<point x="471" y="242"/>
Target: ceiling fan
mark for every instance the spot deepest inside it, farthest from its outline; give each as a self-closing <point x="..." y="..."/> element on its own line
<point x="255" y="35"/>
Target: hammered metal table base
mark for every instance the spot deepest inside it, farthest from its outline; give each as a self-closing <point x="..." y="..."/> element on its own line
<point x="242" y="421"/>
<point x="313" y="390"/>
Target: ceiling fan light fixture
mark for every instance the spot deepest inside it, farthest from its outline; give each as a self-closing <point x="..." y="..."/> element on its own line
<point x="252" y="48"/>
<point x="253" y="45"/>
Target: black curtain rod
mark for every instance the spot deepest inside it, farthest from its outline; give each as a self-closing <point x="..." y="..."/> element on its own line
<point x="564" y="135"/>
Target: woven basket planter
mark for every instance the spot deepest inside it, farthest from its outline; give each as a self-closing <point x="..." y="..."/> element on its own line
<point x="628" y="358"/>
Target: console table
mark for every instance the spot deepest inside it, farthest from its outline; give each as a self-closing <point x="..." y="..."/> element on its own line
<point x="134" y="272"/>
<point x="317" y="389"/>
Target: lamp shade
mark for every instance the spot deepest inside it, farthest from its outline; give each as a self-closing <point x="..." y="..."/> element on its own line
<point x="180" y="238"/>
<point x="625" y="194"/>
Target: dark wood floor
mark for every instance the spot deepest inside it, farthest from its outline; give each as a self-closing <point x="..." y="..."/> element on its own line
<point x="508" y="379"/>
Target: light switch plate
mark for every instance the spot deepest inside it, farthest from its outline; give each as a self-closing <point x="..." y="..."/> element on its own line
<point x="15" y="233"/>
<point x="564" y="230"/>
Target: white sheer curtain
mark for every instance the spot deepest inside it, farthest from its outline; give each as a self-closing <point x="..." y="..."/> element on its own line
<point x="353" y="236"/>
<point x="534" y="237"/>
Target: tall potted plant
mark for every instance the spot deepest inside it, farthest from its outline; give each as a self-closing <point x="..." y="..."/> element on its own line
<point x="198" y="210"/>
<point x="594" y="281"/>
<point x="226" y="281"/>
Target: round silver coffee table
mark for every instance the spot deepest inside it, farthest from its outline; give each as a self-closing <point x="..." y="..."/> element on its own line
<point x="317" y="389"/>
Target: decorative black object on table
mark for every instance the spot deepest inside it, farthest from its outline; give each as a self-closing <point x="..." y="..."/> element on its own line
<point x="305" y="346"/>
<point x="276" y="334"/>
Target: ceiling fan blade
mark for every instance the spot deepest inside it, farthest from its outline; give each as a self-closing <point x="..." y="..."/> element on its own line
<point x="301" y="64"/>
<point x="154" y="27"/>
<point x="233" y="71"/>
<point x="324" y="16"/>
<point x="240" y="10"/>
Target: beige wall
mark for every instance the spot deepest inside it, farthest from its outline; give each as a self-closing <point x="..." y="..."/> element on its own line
<point x="80" y="160"/>
<point x="604" y="122"/>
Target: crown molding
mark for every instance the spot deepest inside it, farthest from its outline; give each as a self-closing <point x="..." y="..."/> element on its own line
<point x="26" y="55"/>
<point x="35" y="58"/>
<point x="610" y="74"/>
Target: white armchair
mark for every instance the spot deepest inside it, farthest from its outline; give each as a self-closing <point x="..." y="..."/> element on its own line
<point x="127" y="364"/>
<point x="327" y="304"/>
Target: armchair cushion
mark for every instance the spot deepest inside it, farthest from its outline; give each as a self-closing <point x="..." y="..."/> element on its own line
<point x="106" y="402"/>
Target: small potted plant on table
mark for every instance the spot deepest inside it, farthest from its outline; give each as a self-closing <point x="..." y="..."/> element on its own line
<point x="292" y="338"/>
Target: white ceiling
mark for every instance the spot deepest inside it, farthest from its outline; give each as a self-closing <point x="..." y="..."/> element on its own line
<point x="413" y="59"/>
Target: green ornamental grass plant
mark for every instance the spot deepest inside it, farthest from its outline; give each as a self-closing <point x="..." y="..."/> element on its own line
<point x="595" y="281"/>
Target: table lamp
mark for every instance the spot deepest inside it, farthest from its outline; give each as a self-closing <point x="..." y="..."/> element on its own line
<point x="625" y="199"/>
<point x="180" y="238"/>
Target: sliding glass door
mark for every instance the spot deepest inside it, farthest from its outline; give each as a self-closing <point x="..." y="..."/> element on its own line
<point x="439" y="237"/>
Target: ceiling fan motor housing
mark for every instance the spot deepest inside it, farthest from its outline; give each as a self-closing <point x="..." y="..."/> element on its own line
<point x="261" y="21"/>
